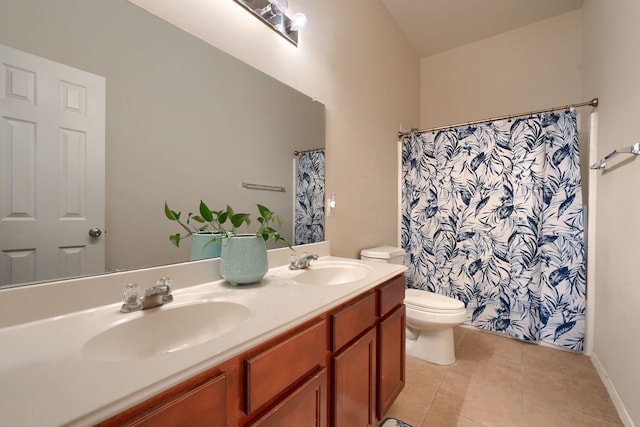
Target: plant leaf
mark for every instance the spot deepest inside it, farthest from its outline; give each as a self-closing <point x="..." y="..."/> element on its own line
<point x="239" y="218"/>
<point x="175" y="239"/>
<point x="205" y="212"/>
<point x="197" y="218"/>
<point x="265" y="212"/>
<point x="171" y="214"/>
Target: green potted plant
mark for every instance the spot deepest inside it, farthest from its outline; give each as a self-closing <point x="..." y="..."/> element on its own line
<point x="205" y="230"/>
<point x="243" y="257"/>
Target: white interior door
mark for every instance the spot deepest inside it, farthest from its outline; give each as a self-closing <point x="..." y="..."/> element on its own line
<point x="52" y="153"/>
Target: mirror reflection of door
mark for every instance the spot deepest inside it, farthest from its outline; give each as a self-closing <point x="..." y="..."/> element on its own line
<point x="52" y="179"/>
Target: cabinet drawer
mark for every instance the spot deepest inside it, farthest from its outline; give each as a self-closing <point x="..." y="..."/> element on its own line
<point x="348" y="322"/>
<point x="391" y="295"/>
<point x="202" y="405"/>
<point x="276" y="368"/>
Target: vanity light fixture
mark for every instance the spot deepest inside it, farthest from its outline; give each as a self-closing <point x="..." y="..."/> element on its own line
<point x="274" y="14"/>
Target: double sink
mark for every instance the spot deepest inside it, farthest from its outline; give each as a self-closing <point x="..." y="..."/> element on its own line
<point x="189" y="321"/>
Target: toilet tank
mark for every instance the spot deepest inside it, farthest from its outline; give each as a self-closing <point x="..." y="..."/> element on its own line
<point x="388" y="254"/>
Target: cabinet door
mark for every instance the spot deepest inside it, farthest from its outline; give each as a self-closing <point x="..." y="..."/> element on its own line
<point x="391" y="359"/>
<point x="304" y="407"/>
<point x="354" y="384"/>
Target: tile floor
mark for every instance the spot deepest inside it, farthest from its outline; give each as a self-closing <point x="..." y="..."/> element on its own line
<point x="498" y="381"/>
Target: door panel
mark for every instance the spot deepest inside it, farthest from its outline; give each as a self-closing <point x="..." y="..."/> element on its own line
<point x="52" y="151"/>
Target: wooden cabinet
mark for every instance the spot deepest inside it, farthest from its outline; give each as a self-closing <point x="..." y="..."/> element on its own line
<point x="201" y="401"/>
<point x="306" y="406"/>
<point x="391" y="359"/>
<point x="341" y="369"/>
<point x="274" y="369"/>
<point x="368" y="373"/>
<point x="391" y="343"/>
<point x="354" y="383"/>
<point x="353" y="342"/>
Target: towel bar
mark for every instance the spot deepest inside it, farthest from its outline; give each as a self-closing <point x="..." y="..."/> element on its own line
<point x="263" y="187"/>
<point x="602" y="163"/>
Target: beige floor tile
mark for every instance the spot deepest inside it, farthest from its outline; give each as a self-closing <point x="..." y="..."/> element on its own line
<point x="559" y="361"/>
<point x="547" y="381"/>
<point x="492" y="345"/>
<point x="439" y="418"/>
<point x="491" y="369"/>
<point x="458" y="334"/>
<point x="577" y="400"/>
<point x="408" y="408"/>
<point x="550" y="414"/>
<point x="423" y="378"/>
<point x="476" y="399"/>
<point x="498" y="381"/>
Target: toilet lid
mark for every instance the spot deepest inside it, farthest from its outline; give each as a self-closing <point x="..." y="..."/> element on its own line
<point x="430" y="300"/>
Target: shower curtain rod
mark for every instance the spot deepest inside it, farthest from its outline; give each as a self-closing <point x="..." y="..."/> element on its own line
<point x="297" y="153"/>
<point x="592" y="103"/>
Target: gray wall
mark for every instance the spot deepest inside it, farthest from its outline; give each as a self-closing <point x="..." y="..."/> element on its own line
<point x="185" y="120"/>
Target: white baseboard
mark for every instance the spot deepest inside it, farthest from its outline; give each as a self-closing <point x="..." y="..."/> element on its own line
<point x="615" y="397"/>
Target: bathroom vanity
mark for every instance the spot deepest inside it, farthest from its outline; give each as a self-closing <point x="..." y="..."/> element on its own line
<point x="321" y="346"/>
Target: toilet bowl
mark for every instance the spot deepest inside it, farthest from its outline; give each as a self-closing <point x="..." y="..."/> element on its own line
<point x="430" y="317"/>
<point x="430" y="321"/>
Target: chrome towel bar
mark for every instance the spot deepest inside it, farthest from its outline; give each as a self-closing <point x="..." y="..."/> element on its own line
<point x="263" y="187"/>
<point x="603" y="163"/>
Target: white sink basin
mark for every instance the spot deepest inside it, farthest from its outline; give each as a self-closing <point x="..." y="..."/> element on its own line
<point x="166" y="329"/>
<point x="332" y="273"/>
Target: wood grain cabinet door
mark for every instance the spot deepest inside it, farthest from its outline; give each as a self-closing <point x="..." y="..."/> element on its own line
<point x="304" y="407"/>
<point x="354" y="383"/>
<point x="391" y="359"/>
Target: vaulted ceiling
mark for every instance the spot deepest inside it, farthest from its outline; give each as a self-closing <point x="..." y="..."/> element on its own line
<point x="433" y="26"/>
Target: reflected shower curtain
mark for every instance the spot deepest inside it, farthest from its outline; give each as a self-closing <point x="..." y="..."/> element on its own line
<point x="492" y="215"/>
<point x="309" y="203"/>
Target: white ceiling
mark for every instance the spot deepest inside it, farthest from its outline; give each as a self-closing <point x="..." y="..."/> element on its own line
<point x="433" y="26"/>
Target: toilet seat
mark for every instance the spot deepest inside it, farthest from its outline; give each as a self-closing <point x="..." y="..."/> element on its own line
<point x="421" y="300"/>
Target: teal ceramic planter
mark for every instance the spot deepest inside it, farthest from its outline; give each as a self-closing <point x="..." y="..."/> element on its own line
<point x="243" y="259"/>
<point x="202" y="247"/>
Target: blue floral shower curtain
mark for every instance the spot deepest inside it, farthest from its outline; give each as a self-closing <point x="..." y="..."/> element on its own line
<point x="492" y="216"/>
<point x="309" y="203"/>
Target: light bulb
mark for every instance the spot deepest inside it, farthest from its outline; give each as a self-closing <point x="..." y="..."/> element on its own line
<point x="298" y="21"/>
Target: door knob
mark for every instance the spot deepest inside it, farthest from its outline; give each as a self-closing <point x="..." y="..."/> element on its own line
<point x="95" y="232"/>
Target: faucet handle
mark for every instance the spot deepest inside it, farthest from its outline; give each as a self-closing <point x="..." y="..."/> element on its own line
<point x="131" y="293"/>
<point x="164" y="286"/>
<point x="132" y="300"/>
<point x="293" y="261"/>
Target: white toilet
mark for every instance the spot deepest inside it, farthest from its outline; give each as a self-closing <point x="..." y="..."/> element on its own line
<point x="430" y="317"/>
<point x="430" y="321"/>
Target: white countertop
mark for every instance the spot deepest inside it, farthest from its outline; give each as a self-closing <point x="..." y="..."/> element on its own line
<point x="46" y="380"/>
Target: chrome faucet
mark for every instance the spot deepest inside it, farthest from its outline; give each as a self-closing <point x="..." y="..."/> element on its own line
<point x="153" y="297"/>
<point x="301" y="263"/>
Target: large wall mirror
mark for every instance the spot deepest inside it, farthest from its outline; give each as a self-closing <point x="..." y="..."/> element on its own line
<point x="184" y="122"/>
